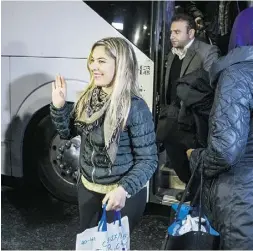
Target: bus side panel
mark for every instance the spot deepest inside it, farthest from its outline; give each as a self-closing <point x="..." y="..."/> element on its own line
<point x="30" y="73"/>
<point x="31" y="90"/>
<point x="5" y="113"/>
<point x="68" y="29"/>
<point x="146" y="76"/>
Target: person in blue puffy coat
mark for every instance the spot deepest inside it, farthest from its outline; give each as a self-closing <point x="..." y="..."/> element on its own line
<point x="118" y="152"/>
<point x="227" y="162"/>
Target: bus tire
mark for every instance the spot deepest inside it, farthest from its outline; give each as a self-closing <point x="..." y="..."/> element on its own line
<point x="51" y="157"/>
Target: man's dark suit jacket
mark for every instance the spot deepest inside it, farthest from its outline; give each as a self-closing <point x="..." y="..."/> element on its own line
<point x="199" y="55"/>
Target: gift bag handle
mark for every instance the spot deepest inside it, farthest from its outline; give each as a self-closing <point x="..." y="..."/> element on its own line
<point x="198" y="194"/>
<point x="200" y="197"/>
<point x="185" y="193"/>
<point x="117" y="217"/>
<point x="102" y="225"/>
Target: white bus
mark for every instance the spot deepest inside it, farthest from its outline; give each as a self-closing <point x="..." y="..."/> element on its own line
<point x="43" y="38"/>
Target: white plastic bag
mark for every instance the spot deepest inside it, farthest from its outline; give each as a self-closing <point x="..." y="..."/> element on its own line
<point x="113" y="236"/>
<point x="189" y="224"/>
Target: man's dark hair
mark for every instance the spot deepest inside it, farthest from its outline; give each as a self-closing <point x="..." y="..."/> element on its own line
<point x="184" y="17"/>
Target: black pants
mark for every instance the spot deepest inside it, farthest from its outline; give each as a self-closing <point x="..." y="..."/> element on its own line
<point x="177" y="160"/>
<point x="90" y="208"/>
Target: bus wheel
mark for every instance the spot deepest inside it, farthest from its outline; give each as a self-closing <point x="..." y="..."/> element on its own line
<point x="56" y="159"/>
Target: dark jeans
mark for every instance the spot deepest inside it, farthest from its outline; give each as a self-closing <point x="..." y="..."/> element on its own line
<point x="90" y="208"/>
<point x="177" y="160"/>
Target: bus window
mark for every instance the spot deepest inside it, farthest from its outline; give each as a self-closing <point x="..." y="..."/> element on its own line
<point x="131" y="19"/>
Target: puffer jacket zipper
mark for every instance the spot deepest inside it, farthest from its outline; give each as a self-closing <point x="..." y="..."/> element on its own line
<point x="79" y="171"/>
<point x="78" y="175"/>
<point x="93" y="165"/>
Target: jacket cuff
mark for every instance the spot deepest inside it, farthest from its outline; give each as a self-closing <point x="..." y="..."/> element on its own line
<point x="127" y="188"/>
<point x="58" y="109"/>
<point x="194" y="159"/>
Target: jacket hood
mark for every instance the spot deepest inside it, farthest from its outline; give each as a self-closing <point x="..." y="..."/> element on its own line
<point x="235" y="56"/>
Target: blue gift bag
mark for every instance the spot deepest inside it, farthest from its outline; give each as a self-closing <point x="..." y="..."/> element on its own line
<point x="191" y="229"/>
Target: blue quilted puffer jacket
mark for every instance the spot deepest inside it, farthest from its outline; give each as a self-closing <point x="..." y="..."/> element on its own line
<point x="136" y="159"/>
<point x="227" y="162"/>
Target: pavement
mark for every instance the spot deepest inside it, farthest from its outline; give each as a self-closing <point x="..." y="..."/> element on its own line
<point x="36" y="221"/>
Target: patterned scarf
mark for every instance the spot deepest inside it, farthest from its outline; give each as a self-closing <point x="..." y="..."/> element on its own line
<point x="181" y="53"/>
<point x="94" y="115"/>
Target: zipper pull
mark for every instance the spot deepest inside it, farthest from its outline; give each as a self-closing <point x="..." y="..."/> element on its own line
<point x="78" y="175"/>
<point x="110" y="167"/>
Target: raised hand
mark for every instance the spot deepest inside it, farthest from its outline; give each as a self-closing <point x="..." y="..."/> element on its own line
<point x="59" y="92"/>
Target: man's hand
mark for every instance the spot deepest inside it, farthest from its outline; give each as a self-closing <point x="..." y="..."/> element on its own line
<point x="189" y="152"/>
<point x="115" y="199"/>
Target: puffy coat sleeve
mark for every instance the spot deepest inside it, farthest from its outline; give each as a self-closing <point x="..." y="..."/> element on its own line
<point x="228" y="125"/>
<point x="63" y="120"/>
<point x="143" y="141"/>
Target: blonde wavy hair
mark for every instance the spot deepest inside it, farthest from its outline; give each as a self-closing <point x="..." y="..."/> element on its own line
<point x="125" y="81"/>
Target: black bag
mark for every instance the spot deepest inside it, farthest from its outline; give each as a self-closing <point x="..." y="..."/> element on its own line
<point x="172" y="131"/>
<point x="167" y="123"/>
<point x="193" y="240"/>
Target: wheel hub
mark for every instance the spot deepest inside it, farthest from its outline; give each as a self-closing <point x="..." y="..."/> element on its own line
<point x="65" y="157"/>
